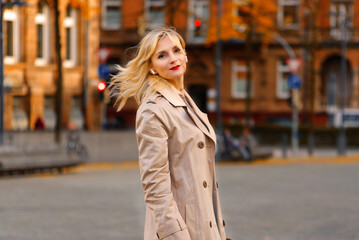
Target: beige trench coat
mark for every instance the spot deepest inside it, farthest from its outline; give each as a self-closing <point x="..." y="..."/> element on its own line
<point x="176" y="157"/>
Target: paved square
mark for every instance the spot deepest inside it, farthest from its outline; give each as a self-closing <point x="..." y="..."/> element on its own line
<point x="260" y="202"/>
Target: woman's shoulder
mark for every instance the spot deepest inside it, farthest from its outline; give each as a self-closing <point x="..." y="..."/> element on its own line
<point x="155" y="103"/>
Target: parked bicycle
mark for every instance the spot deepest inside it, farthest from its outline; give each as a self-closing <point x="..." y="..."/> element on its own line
<point x="74" y="146"/>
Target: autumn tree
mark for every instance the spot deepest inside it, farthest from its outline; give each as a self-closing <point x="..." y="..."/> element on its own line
<point x="252" y="21"/>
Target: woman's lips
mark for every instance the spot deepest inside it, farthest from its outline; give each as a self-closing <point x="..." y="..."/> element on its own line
<point x="175" y="67"/>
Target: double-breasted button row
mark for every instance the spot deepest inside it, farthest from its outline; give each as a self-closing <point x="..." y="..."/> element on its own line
<point x="201" y="144"/>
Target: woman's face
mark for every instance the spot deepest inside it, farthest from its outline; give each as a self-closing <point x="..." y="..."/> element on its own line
<point x="169" y="61"/>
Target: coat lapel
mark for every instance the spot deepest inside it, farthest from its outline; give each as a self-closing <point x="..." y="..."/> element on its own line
<point x="197" y="116"/>
<point x="203" y="117"/>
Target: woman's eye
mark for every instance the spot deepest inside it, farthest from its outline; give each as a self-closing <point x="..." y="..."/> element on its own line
<point x="177" y="50"/>
<point x="161" y="55"/>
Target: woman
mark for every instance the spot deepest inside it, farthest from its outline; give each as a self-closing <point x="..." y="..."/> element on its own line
<point x="176" y="142"/>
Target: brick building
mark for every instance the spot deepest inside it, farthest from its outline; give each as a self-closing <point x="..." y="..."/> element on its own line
<point x="296" y="21"/>
<point x="117" y="25"/>
<point x="31" y="69"/>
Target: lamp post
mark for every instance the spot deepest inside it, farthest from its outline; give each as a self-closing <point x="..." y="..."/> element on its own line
<point x="218" y="62"/>
<point x="2" y="90"/>
<point x="343" y="73"/>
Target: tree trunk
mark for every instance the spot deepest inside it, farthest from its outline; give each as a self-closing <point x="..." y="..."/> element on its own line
<point x="59" y="75"/>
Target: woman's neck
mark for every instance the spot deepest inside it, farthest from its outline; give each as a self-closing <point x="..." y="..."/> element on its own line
<point x="178" y="84"/>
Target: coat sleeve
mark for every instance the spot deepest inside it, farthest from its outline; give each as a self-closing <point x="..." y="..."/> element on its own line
<point x="155" y="175"/>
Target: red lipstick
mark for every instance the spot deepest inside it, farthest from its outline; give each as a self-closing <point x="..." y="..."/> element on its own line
<point x="175" y="67"/>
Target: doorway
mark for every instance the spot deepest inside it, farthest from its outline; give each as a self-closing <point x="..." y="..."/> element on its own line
<point x="198" y="93"/>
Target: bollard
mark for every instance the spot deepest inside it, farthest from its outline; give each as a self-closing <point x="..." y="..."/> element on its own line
<point x="284" y="146"/>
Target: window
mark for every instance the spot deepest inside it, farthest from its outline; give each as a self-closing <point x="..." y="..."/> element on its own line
<point x="288" y="15"/>
<point x="49" y="113"/>
<point x="19" y="118"/>
<point x="282" y="75"/>
<point x="42" y="20"/>
<point x="111" y="15"/>
<point x="198" y="20"/>
<point x="71" y="32"/>
<point x="341" y="12"/>
<point x="155" y="13"/>
<point x="239" y="79"/>
<point x="12" y="35"/>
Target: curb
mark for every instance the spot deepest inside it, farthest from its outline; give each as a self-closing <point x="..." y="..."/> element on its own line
<point x="93" y="166"/>
<point x="299" y="160"/>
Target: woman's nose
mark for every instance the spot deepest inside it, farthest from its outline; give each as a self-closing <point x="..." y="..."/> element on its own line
<point x="173" y="58"/>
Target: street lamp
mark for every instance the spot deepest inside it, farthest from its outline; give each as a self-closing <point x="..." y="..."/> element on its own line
<point x="2" y="90"/>
<point x="343" y="73"/>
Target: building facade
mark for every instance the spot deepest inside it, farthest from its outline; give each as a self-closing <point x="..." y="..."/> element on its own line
<point x="31" y="66"/>
<point x="315" y="34"/>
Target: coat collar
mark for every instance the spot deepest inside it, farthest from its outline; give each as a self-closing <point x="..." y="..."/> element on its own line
<point x="171" y="96"/>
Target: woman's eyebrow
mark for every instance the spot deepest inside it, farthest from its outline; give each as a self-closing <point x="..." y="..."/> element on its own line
<point x="165" y="51"/>
<point x="161" y="52"/>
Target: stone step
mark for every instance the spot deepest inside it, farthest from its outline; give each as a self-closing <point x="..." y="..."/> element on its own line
<point x="30" y="157"/>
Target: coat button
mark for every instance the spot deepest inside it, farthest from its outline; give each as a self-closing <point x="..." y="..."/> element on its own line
<point x="204" y="184"/>
<point x="210" y="223"/>
<point x="217" y="184"/>
<point x="201" y="144"/>
<point x="158" y="236"/>
<point x="224" y="223"/>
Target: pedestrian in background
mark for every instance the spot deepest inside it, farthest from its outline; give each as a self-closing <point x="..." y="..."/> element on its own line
<point x="176" y="142"/>
<point x="248" y="143"/>
<point x="39" y="124"/>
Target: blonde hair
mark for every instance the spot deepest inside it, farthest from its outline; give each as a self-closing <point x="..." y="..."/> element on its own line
<point x="134" y="80"/>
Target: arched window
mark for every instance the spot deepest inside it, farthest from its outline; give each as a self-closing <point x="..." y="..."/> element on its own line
<point x="71" y="31"/>
<point x="42" y="20"/>
<point x="12" y="35"/>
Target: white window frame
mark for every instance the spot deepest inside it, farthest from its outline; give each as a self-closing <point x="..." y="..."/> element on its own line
<point x="44" y="20"/>
<point x="282" y="68"/>
<point x="71" y="22"/>
<point x="281" y="5"/>
<point x="148" y="4"/>
<point x="111" y="3"/>
<point x="345" y="8"/>
<point x="235" y="68"/>
<point x="13" y="15"/>
<point x="197" y="10"/>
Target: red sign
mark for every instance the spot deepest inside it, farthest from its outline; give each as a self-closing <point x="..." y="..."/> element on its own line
<point x="294" y="64"/>
<point x="103" y="54"/>
<point x="101" y="86"/>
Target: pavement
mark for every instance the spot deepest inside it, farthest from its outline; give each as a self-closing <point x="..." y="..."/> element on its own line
<point x="273" y="199"/>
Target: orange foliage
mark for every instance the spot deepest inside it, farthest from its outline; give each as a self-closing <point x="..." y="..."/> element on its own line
<point x="86" y="10"/>
<point x="239" y="16"/>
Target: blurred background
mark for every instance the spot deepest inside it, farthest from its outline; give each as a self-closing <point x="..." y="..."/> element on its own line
<point x="280" y="74"/>
<point x="286" y="68"/>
